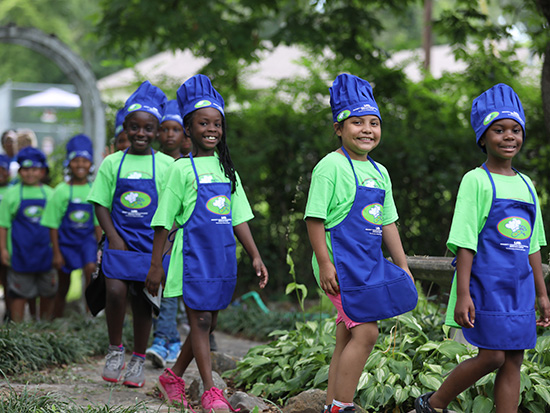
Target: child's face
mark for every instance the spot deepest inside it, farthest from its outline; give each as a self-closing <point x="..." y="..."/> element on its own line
<point x="141" y="128"/>
<point x="170" y="135"/>
<point x="4" y="176"/>
<point x="360" y="135"/>
<point x="503" y="139"/>
<point x="31" y="176"/>
<point x="186" y="145"/>
<point x="80" y="167"/>
<point x="206" y="130"/>
<point x="122" y="142"/>
<point x="8" y="143"/>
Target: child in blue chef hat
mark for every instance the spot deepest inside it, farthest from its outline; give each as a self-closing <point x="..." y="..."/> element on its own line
<point x="496" y="234"/>
<point x="350" y="211"/>
<point x="24" y="242"/>
<point x="206" y="199"/>
<point x="74" y="229"/>
<point x="125" y="194"/>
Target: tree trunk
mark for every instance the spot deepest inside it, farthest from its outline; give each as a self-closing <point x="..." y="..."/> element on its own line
<point x="544" y="7"/>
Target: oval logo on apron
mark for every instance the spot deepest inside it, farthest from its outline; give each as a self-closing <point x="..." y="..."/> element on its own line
<point x="514" y="228"/>
<point x="373" y="213"/>
<point x="135" y="199"/>
<point x="79" y="216"/>
<point x="220" y="205"/>
<point x="33" y="212"/>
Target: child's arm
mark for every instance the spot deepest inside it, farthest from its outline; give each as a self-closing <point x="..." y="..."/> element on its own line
<point x="104" y="217"/>
<point x="58" y="261"/>
<point x="156" y="272"/>
<point x="327" y="272"/>
<point x="98" y="232"/>
<point x="540" y="287"/>
<point x="242" y="231"/>
<point x="392" y="241"/>
<point x="4" y="246"/>
<point x="465" y="313"/>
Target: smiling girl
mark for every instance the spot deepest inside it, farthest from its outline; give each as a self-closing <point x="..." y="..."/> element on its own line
<point x="205" y="197"/>
<point x="349" y="213"/>
<point x="125" y="195"/>
<point x="496" y="234"/>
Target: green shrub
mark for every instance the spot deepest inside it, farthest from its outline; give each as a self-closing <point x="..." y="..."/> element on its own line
<point x="413" y="355"/>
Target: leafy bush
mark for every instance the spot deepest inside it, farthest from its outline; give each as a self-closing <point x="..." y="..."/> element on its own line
<point x="413" y="356"/>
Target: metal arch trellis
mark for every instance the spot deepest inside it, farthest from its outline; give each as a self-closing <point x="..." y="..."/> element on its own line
<point x="76" y="70"/>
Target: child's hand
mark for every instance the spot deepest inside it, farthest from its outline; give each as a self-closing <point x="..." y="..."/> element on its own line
<point x="465" y="312"/>
<point x="261" y="271"/>
<point x="58" y="262"/>
<point x="329" y="279"/>
<point x="154" y="278"/>
<point x="5" y="257"/>
<point x="544" y="309"/>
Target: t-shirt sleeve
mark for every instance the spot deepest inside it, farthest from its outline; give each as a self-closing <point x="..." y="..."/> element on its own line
<point x="55" y="208"/>
<point x="240" y="207"/>
<point x="103" y="185"/>
<point x="538" y="238"/>
<point x="170" y="201"/>
<point x="390" y="210"/>
<point x="9" y="204"/>
<point x="467" y="215"/>
<point x="320" y="193"/>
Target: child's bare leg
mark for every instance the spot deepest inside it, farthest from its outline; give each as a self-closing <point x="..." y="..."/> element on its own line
<point x="507" y="382"/>
<point x="115" y="308"/>
<point x="352" y="360"/>
<point x="64" y="281"/>
<point x="343" y="336"/>
<point x="18" y="309"/>
<point x="142" y="313"/>
<point x="465" y="375"/>
<point x="88" y="270"/>
<point x="185" y="357"/>
<point x="201" y="323"/>
<point x="46" y="307"/>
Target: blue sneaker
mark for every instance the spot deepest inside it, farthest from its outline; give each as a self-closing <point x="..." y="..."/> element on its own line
<point x="157" y="353"/>
<point x="173" y="351"/>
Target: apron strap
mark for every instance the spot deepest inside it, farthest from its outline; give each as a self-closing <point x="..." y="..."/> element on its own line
<point x="194" y="169"/>
<point x="353" y="169"/>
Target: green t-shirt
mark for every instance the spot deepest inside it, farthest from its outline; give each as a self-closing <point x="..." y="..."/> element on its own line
<point x="133" y="167"/>
<point x="473" y="203"/>
<point x="12" y="199"/>
<point x="177" y="203"/>
<point x="3" y="190"/>
<point x="332" y="192"/>
<point x="57" y="205"/>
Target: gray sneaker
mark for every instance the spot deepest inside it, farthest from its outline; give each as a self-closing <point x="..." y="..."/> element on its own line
<point x="114" y="364"/>
<point x="135" y="375"/>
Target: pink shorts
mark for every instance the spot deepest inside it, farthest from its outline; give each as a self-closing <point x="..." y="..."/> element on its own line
<point x="337" y="301"/>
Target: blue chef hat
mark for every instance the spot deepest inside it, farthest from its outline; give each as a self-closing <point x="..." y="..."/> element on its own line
<point x="30" y="157"/>
<point x="79" y="146"/>
<point x="499" y="102"/>
<point x="119" y="120"/>
<point x="196" y="93"/>
<point x="351" y="96"/>
<point x="172" y="112"/>
<point x="5" y="161"/>
<point x="147" y="98"/>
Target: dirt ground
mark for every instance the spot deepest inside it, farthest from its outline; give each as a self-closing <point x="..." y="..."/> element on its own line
<point x="82" y="383"/>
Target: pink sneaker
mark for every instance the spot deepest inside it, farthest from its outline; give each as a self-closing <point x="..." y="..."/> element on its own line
<point x="173" y="388"/>
<point x="213" y="400"/>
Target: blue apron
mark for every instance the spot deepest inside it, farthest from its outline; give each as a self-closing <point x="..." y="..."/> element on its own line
<point x="372" y="288"/>
<point x="76" y="234"/>
<point x="502" y="286"/>
<point x="31" y="250"/>
<point x="209" y="248"/>
<point x="134" y="204"/>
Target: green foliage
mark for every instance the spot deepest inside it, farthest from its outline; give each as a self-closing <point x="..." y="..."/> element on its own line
<point x="35" y="402"/>
<point x="34" y="346"/>
<point x="412" y="356"/>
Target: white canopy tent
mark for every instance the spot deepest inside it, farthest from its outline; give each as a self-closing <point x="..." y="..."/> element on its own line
<point x="52" y="97"/>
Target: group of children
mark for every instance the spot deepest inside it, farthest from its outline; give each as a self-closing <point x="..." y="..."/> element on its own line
<point x="192" y="190"/>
